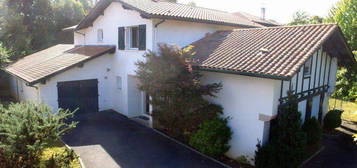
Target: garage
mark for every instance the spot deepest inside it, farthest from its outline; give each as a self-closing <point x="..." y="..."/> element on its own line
<point x="81" y="94"/>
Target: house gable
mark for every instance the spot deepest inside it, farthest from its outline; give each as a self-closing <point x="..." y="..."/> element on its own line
<point x="172" y="11"/>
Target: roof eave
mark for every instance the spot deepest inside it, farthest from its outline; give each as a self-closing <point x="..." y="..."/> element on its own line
<point x="251" y="74"/>
<point x="83" y="25"/>
<point x="112" y="50"/>
<point x="26" y="81"/>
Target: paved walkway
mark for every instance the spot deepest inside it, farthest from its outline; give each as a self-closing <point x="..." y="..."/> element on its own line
<point x="110" y="140"/>
<point x="339" y="152"/>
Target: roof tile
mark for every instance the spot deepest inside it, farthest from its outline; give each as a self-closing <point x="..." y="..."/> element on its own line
<point x="275" y="51"/>
<point x="55" y="59"/>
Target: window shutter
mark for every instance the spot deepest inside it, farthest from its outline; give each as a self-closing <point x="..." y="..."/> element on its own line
<point x="142" y="37"/>
<point x="121" y="38"/>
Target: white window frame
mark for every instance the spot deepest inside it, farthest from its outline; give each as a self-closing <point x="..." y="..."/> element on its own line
<point x="128" y="38"/>
<point x="100" y="35"/>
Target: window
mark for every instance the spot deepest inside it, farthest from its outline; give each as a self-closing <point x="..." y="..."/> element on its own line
<point x="132" y="37"/>
<point x="119" y="82"/>
<point x="100" y="35"/>
<point x="307" y="67"/>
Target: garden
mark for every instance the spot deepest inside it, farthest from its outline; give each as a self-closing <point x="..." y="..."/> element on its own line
<point x="30" y="137"/>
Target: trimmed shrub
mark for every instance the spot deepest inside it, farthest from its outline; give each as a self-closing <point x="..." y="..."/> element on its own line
<point x="212" y="137"/>
<point x="26" y="129"/>
<point x="287" y="138"/>
<point x="265" y="156"/>
<point x="332" y="119"/>
<point x="313" y="131"/>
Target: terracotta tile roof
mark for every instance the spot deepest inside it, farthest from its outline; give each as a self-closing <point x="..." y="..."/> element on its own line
<point x="274" y="52"/>
<point x="169" y="10"/>
<point x="53" y="60"/>
<point x="258" y="20"/>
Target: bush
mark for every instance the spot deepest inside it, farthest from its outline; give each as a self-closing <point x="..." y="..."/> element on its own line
<point x="177" y="94"/>
<point x="332" y="119"/>
<point x="212" y="137"/>
<point x="62" y="160"/>
<point x="264" y="156"/>
<point x="288" y="140"/>
<point x="313" y="131"/>
<point x="26" y="129"/>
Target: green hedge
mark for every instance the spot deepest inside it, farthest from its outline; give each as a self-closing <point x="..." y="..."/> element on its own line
<point x="212" y="137"/>
<point x="313" y="131"/>
<point x="332" y="119"/>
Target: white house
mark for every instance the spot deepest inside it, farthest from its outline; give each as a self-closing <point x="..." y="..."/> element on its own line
<point x="256" y="64"/>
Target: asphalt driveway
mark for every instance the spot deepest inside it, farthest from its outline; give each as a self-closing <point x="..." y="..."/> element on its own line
<point x="339" y="152"/>
<point x="108" y="140"/>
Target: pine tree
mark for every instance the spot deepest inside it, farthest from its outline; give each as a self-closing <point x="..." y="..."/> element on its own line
<point x="286" y="148"/>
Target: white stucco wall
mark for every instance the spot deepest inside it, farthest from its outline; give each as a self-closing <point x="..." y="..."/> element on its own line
<point x="93" y="69"/>
<point x="183" y="33"/>
<point x="123" y="62"/>
<point x="21" y="91"/>
<point x="244" y="98"/>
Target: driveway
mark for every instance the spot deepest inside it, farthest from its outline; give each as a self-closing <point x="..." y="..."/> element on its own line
<point x="109" y="140"/>
<point x="339" y="152"/>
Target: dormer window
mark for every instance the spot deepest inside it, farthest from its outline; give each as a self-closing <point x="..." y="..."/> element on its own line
<point x="100" y="35"/>
<point x="307" y="68"/>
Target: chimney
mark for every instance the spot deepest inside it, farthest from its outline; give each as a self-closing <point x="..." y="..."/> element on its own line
<point x="262" y="15"/>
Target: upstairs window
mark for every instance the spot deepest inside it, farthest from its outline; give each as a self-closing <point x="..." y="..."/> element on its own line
<point x="132" y="37"/>
<point x="100" y="35"/>
<point x="307" y="68"/>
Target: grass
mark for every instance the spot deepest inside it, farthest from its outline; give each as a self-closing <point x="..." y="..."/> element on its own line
<point x="350" y="109"/>
<point x="56" y="148"/>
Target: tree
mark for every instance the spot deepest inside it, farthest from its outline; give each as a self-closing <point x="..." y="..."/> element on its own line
<point x="302" y="18"/>
<point x="288" y="140"/>
<point x="27" y="26"/>
<point x="344" y="13"/>
<point x="26" y="129"/>
<point x="4" y="56"/>
<point x="67" y="13"/>
<point x="176" y="92"/>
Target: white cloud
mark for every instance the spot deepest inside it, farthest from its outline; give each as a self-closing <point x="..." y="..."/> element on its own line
<point x="279" y="10"/>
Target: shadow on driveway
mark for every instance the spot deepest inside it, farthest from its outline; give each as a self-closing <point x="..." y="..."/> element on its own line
<point x="108" y="140"/>
<point x="339" y="152"/>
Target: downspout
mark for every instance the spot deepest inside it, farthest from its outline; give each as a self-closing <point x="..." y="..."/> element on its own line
<point x="156" y="32"/>
<point x="17" y="90"/>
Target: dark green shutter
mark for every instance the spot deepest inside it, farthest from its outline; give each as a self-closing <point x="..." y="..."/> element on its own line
<point x="142" y="37"/>
<point x="121" y="38"/>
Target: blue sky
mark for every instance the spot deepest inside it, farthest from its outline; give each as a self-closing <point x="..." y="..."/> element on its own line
<point x="279" y="10"/>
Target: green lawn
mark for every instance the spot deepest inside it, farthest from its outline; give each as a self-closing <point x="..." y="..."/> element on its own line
<point x="56" y="148"/>
<point x="350" y="109"/>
